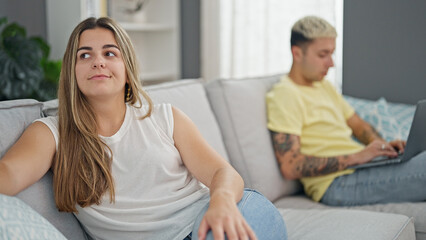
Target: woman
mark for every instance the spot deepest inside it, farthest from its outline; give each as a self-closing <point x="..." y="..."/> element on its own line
<point x="129" y="169"/>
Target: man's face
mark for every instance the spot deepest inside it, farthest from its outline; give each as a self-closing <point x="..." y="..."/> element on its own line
<point x="316" y="59"/>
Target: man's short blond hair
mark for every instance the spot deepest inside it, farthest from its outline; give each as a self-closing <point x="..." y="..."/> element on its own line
<point x="310" y="28"/>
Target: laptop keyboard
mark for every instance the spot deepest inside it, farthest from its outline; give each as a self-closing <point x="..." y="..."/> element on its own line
<point x="382" y="158"/>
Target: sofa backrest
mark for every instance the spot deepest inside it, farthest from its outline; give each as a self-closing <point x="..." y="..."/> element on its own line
<point x="190" y="97"/>
<point x="240" y="108"/>
<point x="15" y="116"/>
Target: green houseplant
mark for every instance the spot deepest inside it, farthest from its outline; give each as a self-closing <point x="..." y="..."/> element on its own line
<point x="25" y="70"/>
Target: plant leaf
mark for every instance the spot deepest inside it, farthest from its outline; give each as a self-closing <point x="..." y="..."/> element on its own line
<point x="13" y="29"/>
<point x="43" y="45"/>
<point x="3" y="20"/>
<point x="52" y="70"/>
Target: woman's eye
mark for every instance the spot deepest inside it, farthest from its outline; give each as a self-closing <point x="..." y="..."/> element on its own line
<point x="110" y="54"/>
<point x="84" y="55"/>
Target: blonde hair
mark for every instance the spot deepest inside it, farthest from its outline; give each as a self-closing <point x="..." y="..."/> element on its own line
<point x="82" y="167"/>
<point x="309" y="28"/>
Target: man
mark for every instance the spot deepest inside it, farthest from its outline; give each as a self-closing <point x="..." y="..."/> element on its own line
<point x="312" y="127"/>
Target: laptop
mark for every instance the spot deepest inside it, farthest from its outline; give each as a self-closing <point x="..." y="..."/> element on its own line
<point x="416" y="141"/>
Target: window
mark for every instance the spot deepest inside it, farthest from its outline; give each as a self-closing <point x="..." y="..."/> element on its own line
<point x="247" y="38"/>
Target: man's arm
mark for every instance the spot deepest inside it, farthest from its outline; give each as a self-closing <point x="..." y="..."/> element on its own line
<point x="366" y="134"/>
<point x="363" y="131"/>
<point x="295" y="165"/>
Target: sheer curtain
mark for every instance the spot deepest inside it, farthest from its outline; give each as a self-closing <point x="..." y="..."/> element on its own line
<point x="248" y="38"/>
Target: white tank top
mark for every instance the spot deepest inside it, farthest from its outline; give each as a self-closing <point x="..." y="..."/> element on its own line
<point x="155" y="195"/>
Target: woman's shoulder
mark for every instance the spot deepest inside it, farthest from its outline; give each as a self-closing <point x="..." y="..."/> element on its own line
<point x="50" y="121"/>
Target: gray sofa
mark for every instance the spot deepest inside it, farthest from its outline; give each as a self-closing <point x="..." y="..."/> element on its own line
<point x="231" y="115"/>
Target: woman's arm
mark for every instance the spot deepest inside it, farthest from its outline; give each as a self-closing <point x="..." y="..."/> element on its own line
<point x="27" y="160"/>
<point x="226" y="185"/>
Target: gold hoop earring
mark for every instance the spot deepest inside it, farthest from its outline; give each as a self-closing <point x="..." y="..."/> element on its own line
<point x="128" y="94"/>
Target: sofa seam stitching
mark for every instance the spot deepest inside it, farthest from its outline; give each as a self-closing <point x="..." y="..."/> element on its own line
<point x="403" y="227"/>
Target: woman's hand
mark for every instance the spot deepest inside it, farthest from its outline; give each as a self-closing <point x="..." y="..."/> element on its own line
<point x="223" y="217"/>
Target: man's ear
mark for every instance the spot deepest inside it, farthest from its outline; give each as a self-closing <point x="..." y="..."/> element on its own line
<point x="297" y="53"/>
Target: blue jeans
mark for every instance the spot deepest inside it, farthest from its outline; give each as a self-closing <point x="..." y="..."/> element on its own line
<point x="404" y="182"/>
<point x="260" y="214"/>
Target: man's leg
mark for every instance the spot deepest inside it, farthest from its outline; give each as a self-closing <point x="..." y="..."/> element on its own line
<point x="403" y="182"/>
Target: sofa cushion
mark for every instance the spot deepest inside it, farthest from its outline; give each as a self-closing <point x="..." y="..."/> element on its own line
<point x="346" y="224"/>
<point x="15" y="117"/>
<point x="50" y="108"/>
<point x="240" y="107"/>
<point x="417" y="210"/>
<point x="40" y="197"/>
<point x="190" y="97"/>
<point x="19" y="221"/>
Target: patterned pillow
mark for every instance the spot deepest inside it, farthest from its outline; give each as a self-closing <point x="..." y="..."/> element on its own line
<point x="403" y="114"/>
<point x="19" y="221"/>
<point x="391" y="120"/>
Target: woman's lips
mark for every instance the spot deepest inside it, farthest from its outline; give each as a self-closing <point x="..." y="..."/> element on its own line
<point x="99" y="77"/>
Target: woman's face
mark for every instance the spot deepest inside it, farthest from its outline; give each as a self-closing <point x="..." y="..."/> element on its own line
<point x="100" y="70"/>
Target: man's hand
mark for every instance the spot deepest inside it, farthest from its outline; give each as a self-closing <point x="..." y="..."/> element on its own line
<point x="398" y="145"/>
<point x="378" y="148"/>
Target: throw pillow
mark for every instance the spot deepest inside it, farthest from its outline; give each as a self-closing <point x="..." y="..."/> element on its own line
<point x="19" y="221"/>
<point x="403" y="114"/>
<point x="376" y="113"/>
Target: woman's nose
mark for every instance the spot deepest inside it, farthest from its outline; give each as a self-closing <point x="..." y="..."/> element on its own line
<point x="98" y="63"/>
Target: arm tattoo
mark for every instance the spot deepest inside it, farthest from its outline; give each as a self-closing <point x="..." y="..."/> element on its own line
<point x="313" y="166"/>
<point x="282" y="142"/>
<point x="285" y="147"/>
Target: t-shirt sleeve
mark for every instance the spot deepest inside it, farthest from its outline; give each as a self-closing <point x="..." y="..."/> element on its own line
<point x="52" y="124"/>
<point x="347" y="109"/>
<point x="285" y="112"/>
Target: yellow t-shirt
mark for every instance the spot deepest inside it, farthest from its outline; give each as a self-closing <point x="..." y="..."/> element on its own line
<point x="318" y="115"/>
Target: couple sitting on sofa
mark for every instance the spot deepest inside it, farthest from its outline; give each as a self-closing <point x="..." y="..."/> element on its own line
<point x="85" y="112"/>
